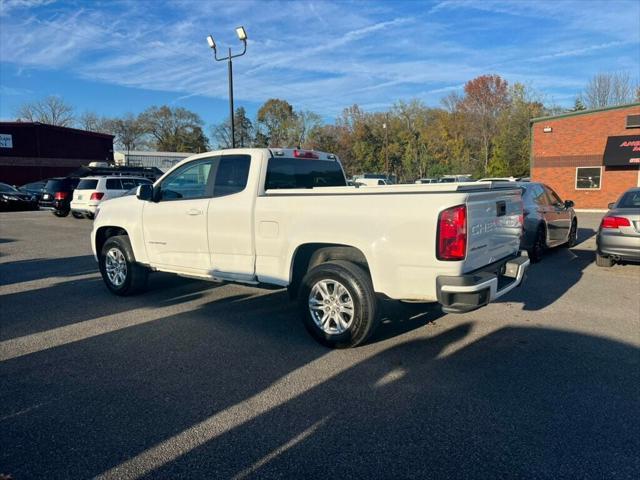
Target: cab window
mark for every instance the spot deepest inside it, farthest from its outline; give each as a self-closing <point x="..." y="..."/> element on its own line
<point x="189" y="181"/>
<point x="231" y="175"/>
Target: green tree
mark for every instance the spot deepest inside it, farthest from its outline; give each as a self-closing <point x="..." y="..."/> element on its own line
<point x="276" y="120"/>
<point x="174" y="129"/>
<point x="244" y="131"/>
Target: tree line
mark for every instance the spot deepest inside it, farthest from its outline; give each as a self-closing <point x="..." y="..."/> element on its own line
<point x="482" y="131"/>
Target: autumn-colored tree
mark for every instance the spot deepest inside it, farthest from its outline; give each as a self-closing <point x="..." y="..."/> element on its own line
<point x="486" y="97"/>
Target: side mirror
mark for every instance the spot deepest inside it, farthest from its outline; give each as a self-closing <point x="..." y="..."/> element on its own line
<point x="611" y="205"/>
<point x="145" y="192"/>
<point x="568" y="204"/>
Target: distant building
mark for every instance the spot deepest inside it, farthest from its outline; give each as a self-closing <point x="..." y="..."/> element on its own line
<point x="588" y="156"/>
<point x="32" y="151"/>
<point x="138" y="158"/>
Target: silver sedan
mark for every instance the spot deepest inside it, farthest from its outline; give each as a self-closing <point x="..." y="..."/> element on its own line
<point x="619" y="233"/>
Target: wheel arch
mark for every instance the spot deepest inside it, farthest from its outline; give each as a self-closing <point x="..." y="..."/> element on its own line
<point x="106" y="232"/>
<point x="308" y="255"/>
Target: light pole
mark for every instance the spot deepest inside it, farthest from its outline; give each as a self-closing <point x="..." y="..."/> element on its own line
<point x="386" y="146"/>
<point x="242" y="36"/>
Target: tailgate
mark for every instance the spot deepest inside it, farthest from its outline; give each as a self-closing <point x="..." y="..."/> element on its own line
<point x="494" y="226"/>
<point x="81" y="197"/>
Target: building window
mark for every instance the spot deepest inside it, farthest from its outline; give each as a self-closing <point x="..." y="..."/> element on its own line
<point x="588" y="178"/>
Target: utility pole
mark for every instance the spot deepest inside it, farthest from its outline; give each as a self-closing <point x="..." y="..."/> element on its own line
<point x="386" y="145"/>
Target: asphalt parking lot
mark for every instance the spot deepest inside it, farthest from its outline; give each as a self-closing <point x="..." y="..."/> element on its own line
<point x="198" y="380"/>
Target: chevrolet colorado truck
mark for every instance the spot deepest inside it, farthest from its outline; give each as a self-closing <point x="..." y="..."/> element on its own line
<point x="287" y="217"/>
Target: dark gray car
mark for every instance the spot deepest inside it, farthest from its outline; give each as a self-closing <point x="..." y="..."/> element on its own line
<point x="619" y="233"/>
<point x="548" y="221"/>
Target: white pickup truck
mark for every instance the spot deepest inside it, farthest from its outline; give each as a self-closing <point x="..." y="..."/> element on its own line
<point x="286" y="217"/>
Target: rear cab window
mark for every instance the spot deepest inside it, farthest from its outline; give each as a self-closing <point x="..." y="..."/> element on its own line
<point x="283" y="173"/>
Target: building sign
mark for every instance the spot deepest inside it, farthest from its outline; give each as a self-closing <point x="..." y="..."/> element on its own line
<point x="6" y="141"/>
<point x="622" y="151"/>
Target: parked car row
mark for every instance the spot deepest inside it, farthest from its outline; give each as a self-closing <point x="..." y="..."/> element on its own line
<point x="13" y="199"/>
<point x="97" y="183"/>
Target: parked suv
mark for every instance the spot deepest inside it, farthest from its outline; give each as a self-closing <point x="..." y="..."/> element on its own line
<point x="57" y="193"/>
<point x="548" y="221"/>
<point x="91" y="191"/>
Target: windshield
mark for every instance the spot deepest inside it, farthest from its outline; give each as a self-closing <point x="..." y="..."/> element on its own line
<point x="630" y="200"/>
<point x="7" y="188"/>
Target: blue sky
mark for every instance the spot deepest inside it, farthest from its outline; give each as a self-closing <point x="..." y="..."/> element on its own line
<point x="114" y="57"/>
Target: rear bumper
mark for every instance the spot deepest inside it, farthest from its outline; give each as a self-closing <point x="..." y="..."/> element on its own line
<point x="624" y="246"/>
<point x="83" y="208"/>
<point x="468" y="292"/>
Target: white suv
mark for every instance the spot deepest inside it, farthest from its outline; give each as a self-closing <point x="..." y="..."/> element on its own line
<point x="91" y="191"/>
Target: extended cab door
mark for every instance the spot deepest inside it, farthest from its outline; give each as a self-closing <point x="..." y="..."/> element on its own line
<point x="231" y="212"/>
<point x="175" y="224"/>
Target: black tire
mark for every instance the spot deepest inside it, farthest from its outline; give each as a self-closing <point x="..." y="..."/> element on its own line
<point x="539" y="246"/>
<point x="61" y="213"/>
<point x="358" y="284"/>
<point x="90" y="216"/>
<point x="135" y="275"/>
<point x="602" y="261"/>
<point x="77" y="215"/>
<point x="573" y="235"/>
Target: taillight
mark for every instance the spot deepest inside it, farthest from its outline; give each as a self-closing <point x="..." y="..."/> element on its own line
<point x="615" y="222"/>
<point x="97" y="196"/>
<point x="61" y="195"/>
<point x="452" y="233"/>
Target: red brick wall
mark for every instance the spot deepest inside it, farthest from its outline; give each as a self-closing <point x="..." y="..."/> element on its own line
<point x="562" y="180"/>
<point x="580" y="141"/>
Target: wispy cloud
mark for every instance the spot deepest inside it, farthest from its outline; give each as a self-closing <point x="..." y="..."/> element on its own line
<point x="321" y="56"/>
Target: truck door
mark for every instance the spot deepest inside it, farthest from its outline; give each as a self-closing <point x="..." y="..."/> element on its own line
<point x="231" y="211"/>
<point x="175" y="225"/>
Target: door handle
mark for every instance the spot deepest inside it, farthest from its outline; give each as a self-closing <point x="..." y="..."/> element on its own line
<point x="194" y="211"/>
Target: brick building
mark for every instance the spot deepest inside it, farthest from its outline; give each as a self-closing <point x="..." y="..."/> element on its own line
<point x="590" y="156"/>
<point x="35" y="151"/>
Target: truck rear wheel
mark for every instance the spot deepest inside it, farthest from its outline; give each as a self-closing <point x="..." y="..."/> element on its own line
<point x="338" y="304"/>
<point x="120" y="272"/>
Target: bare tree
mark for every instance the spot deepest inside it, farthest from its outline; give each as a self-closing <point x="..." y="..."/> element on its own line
<point x="129" y="131"/>
<point x="92" y="122"/>
<point x="51" y="110"/>
<point x="608" y="89"/>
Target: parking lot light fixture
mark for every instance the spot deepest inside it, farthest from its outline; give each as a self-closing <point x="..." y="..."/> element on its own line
<point x="211" y="42"/>
<point x="242" y="36"/>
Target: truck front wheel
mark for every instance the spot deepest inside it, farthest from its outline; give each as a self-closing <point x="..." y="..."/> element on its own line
<point x="120" y="272"/>
<point x="338" y="304"/>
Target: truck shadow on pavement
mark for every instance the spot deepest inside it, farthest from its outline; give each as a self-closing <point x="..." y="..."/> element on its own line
<point x="62" y="304"/>
<point x="41" y="268"/>
<point x="236" y="388"/>
<point x="519" y="402"/>
<point x="559" y="270"/>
